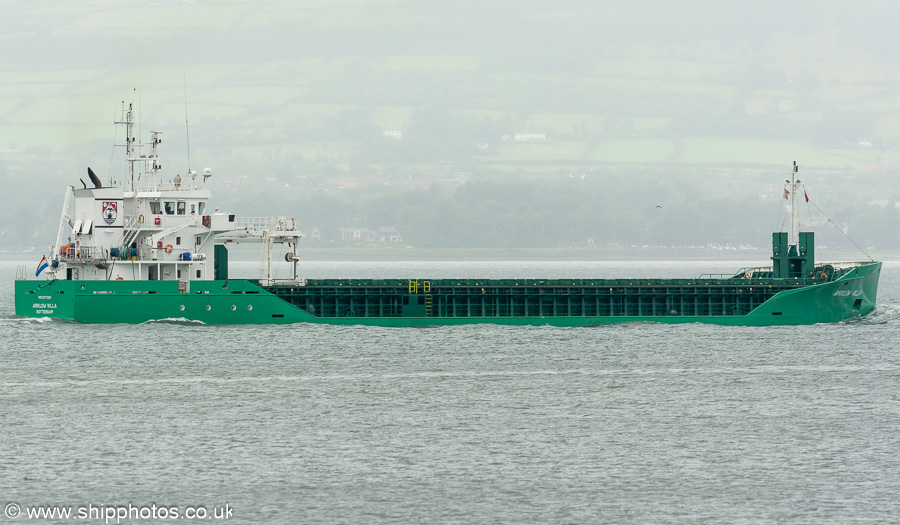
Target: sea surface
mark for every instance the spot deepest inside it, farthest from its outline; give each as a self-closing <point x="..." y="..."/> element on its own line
<point x="630" y="423"/>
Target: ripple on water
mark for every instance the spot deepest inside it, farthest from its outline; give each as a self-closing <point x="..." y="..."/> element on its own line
<point x="308" y="423"/>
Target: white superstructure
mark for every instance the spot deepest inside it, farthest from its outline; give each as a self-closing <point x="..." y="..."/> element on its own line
<point x="152" y="229"/>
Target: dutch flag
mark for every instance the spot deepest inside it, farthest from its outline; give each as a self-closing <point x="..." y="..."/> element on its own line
<point x="41" y="266"/>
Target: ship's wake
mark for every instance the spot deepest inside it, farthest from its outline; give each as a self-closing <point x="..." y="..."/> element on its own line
<point x="882" y="314"/>
<point x="28" y="320"/>
<point x="175" y="320"/>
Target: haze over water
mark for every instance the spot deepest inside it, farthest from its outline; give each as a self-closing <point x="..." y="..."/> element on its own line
<point x="475" y="125"/>
<point x="473" y="424"/>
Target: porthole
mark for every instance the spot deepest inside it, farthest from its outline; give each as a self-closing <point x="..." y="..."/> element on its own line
<point x="233" y="308"/>
<point x="208" y="308"/>
<point x="249" y="307"/>
<point x="181" y="308"/>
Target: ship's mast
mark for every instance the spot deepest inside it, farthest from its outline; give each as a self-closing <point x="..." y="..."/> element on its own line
<point x="152" y="164"/>
<point x="154" y="158"/>
<point x="795" y="183"/>
<point x="129" y="142"/>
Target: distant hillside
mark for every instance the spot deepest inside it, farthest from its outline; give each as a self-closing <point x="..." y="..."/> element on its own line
<point x="399" y="96"/>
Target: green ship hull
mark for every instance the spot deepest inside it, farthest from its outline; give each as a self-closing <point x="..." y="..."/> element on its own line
<point x="753" y="301"/>
<point x="146" y="248"/>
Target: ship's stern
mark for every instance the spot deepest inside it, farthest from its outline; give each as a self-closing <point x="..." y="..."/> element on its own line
<point x="54" y="299"/>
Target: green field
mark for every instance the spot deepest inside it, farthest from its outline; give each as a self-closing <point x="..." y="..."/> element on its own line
<point x="642" y="104"/>
<point x="288" y="102"/>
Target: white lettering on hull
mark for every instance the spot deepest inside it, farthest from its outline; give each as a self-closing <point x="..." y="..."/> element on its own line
<point x="847" y="293"/>
<point x="44" y="308"/>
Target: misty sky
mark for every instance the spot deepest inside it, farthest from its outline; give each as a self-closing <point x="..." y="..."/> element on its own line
<point x="300" y="91"/>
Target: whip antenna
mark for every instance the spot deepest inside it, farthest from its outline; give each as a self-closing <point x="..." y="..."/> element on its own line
<point x="187" y="129"/>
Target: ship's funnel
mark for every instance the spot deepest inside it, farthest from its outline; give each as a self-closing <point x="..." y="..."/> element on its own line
<point x="94" y="178"/>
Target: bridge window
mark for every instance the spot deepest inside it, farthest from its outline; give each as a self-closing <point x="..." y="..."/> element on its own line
<point x="170" y="208"/>
<point x="181" y="207"/>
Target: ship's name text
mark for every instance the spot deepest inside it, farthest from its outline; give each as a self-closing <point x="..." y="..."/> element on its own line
<point x="44" y="308"/>
<point x="847" y="293"/>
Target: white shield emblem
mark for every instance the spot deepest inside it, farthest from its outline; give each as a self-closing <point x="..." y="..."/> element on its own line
<point x="109" y="211"/>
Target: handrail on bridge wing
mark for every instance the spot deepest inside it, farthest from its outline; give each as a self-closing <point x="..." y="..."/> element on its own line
<point x="266" y="223"/>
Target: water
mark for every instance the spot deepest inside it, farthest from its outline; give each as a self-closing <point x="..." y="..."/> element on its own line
<point x="476" y="424"/>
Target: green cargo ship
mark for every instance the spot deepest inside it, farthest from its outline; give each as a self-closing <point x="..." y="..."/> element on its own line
<point x="148" y="249"/>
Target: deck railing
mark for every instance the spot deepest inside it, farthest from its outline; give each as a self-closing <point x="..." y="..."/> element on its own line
<point x="265" y="223"/>
<point x="167" y="185"/>
<point x="82" y="252"/>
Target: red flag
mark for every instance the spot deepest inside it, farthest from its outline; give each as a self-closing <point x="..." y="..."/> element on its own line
<point x="786" y="193"/>
<point x="805" y="195"/>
